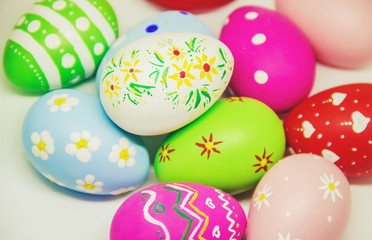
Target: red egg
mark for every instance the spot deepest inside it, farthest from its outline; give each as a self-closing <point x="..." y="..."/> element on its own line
<point x="336" y="124"/>
<point x="190" y="4"/>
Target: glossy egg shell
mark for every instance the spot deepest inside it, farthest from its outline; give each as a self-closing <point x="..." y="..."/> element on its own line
<point x="168" y="21"/>
<point x="179" y="211"/>
<point x="230" y="147"/>
<point x="274" y="62"/>
<point x="162" y="82"/>
<point x="68" y="138"/>
<point x="59" y="43"/>
<point x="303" y="196"/>
<point x="340" y="34"/>
<point x="191" y="4"/>
<point x="336" y="124"/>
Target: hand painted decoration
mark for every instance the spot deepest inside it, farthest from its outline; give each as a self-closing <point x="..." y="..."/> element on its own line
<point x="179" y="211"/>
<point x="303" y="196"/>
<point x="230" y="147"/>
<point x="191" y="4"/>
<point x="335" y="124"/>
<point x="274" y="62"/>
<point x="162" y="82"/>
<point x="69" y="139"/>
<point x="340" y="34"/>
<point x="169" y="21"/>
<point x="59" y="43"/>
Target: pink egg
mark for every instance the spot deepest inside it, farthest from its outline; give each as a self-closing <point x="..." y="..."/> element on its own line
<point x="274" y="62"/>
<point x="339" y="31"/>
<point x="179" y="211"/>
<point x="303" y="197"/>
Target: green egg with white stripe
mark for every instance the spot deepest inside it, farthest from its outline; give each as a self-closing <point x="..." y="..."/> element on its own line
<point x="59" y="43"/>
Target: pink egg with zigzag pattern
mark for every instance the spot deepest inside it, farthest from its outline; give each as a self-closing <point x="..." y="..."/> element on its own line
<point x="179" y="211"/>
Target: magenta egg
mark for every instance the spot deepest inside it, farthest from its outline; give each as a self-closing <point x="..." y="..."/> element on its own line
<point x="274" y="62"/>
<point x="179" y="211"/>
<point x="304" y="196"/>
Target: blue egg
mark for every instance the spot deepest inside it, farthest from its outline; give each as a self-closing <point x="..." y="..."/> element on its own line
<point x="169" y="21"/>
<point x="69" y="139"/>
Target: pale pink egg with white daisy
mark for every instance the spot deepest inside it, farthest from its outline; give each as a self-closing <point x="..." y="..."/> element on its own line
<point x="304" y="196"/>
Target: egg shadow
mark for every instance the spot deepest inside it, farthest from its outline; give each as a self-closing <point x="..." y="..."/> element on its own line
<point x="360" y="180"/>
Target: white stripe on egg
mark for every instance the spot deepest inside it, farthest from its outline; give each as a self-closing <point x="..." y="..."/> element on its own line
<point x="96" y="17"/>
<point x="69" y="31"/>
<point x="41" y="57"/>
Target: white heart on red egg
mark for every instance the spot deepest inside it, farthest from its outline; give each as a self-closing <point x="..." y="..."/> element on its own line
<point x="335" y="123"/>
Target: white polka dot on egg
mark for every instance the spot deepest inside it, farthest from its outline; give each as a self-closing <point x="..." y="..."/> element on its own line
<point x="261" y="77"/>
<point x="68" y="60"/>
<point x="59" y="5"/>
<point x="33" y="26"/>
<point x="98" y="49"/>
<point x="21" y="20"/>
<point x="82" y="23"/>
<point x="259" y="39"/>
<point x="251" y="15"/>
<point x="52" y="41"/>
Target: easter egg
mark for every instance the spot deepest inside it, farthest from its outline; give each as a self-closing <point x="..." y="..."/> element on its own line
<point x="162" y="82"/>
<point x="274" y="62"/>
<point x="179" y="211"/>
<point x="59" y="43"/>
<point x="191" y="4"/>
<point x="303" y="196"/>
<point x="169" y="21"/>
<point x="68" y="138"/>
<point x="340" y="34"/>
<point x="230" y="147"/>
<point x="336" y="124"/>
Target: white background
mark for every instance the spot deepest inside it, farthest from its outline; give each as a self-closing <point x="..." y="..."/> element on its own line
<point x="33" y="208"/>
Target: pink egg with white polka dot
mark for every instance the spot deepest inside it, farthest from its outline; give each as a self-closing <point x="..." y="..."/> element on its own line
<point x="303" y="196"/>
<point x="335" y="123"/>
<point x="274" y="62"/>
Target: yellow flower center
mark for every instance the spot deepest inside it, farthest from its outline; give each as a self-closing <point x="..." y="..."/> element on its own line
<point x="89" y="186"/>
<point x="263" y="162"/>
<point x="209" y="146"/>
<point x="124" y="154"/>
<point x="60" y="101"/>
<point x="262" y="197"/>
<point x="164" y="153"/>
<point x="331" y="186"/>
<point x="82" y="144"/>
<point x="41" y="146"/>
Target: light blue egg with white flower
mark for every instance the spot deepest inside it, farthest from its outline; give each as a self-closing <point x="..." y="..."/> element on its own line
<point x="168" y="21"/>
<point x="69" y="139"/>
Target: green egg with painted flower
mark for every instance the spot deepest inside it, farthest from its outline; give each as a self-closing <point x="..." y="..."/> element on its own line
<point x="230" y="147"/>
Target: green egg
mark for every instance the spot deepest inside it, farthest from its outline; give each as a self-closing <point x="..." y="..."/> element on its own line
<point x="230" y="147"/>
<point x="59" y="43"/>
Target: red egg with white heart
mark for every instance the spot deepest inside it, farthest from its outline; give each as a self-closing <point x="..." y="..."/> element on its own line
<point x="335" y="123"/>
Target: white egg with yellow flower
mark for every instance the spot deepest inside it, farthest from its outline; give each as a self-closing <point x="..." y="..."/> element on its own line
<point x="162" y="82"/>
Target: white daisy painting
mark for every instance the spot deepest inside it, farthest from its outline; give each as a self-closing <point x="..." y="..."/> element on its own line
<point x="62" y="102"/>
<point x="330" y="187"/>
<point x="123" y="154"/>
<point x="83" y="145"/>
<point x="286" y="237"/>
<point x="89" y="184"/>
<point x="43" y="145"/>
<point x="262" y="197"/>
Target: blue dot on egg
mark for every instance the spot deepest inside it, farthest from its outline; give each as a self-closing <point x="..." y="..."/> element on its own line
<point x="152" y="28"/>
<point x="185" y="13"/>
